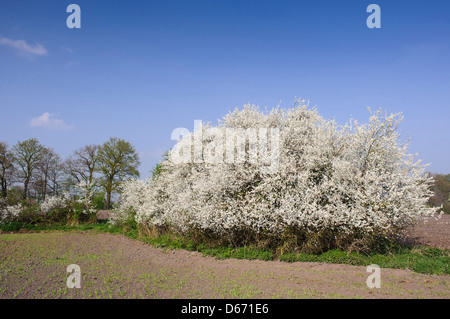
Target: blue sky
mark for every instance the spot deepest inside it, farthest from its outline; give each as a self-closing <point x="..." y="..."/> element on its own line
<point x="139" y="69"/>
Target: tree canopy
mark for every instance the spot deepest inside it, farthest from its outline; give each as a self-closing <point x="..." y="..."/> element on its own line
<point x="117" y="162"/>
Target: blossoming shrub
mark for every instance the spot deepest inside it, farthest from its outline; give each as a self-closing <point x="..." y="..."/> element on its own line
<point x="335" y="186"/>
<point x="9" y="213"/>
<point x="131" y="199"/>
<point x="56" y="205"/>
<point x="63" y="208"/>
<point x="54" y="209"/>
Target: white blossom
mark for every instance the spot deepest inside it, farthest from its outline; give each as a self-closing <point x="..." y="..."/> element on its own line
<point x="345" y="178"/>
<point x="9" y="213"/>
<point x="53" y="203"/>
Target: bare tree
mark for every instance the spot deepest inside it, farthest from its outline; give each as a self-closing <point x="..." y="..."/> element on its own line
<point x="27" y="156"/>
<point x="48" y="171"/>
<point x="6" y="168"/>
<point x="55" y="177"/>
<point x="82" y="164"/>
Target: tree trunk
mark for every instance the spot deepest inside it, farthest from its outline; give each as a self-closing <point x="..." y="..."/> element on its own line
<point x="4" y="189"/>
<point x="109" y="188"/>
<point x="108" y="199"/>
<point x="44" y="188"/>
<point x="25" y="189"/>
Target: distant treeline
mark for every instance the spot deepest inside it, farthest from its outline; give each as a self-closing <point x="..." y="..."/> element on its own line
<point x="441" y="192"/>
<point x="30" y="171"/>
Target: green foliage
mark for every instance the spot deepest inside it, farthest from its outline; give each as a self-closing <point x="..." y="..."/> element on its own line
<point x="99" y="202"/>
<point x="156" y="171"/>
<point x="98" y="227"/>
<point x="73" y="212"/>
<point x="12" y="227"/>
<point x="30" y="212"/>
<point x="424" y="260"/>
<point x="15" y="195"/>
<point x="117" y="162"/>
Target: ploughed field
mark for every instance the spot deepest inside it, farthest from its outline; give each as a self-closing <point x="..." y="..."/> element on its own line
<point x="34" y="265"/>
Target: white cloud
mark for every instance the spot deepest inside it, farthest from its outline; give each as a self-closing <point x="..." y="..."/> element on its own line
<point x="49" y="121"/>
<point x="23" y="47"/>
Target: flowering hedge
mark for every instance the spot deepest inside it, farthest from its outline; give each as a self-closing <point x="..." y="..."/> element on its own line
<point x="9" y="213"/>
<point x="335" y="185"/>
<point x="59" y="208"/>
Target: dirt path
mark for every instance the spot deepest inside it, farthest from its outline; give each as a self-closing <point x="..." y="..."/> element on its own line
<point x="113" y="266"/>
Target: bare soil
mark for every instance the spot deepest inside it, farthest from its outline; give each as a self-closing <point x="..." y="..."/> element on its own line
<point x="433" y="231"/>
<point x="34" y="265"/>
